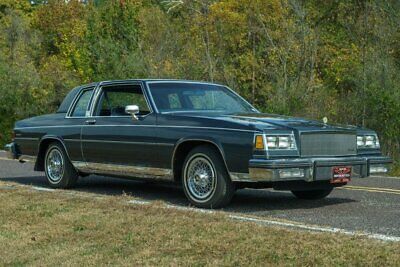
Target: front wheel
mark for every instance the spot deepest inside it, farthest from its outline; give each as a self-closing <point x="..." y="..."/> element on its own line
<point x="312" y="194"/>
<point x="205" y="180"/>
<point x="59" y="170"/>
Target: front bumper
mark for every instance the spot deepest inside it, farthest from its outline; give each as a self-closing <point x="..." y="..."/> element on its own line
<point x="12" y="151"/>
<point x="314" y="169"/>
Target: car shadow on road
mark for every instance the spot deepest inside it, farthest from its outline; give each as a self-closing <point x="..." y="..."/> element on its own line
<point x="253" y="200"/>
<point x="245" y="200"/>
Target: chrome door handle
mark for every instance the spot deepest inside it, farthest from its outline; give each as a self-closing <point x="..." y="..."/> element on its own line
<point x="90" y="122"/>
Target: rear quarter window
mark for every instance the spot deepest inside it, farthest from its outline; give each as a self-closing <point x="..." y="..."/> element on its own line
<point x="66" y="103"/>
<point x="82" y="104"/>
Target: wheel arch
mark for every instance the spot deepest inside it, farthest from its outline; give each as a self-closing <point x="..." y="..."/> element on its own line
<point x="44" y="143"/>
<point x="184" y="146"/>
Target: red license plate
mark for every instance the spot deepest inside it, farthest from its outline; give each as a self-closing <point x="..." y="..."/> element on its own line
<point x="341" y="174"/>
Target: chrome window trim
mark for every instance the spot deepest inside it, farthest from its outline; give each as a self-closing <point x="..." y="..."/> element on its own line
<point x="193" y="82"/>
<point x="151" y="96"/>
<point x="104" y="84"/>
<point x="76" y="99"/>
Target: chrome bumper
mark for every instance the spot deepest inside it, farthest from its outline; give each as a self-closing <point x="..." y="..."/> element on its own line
<point x="312" y="169"/>
<point x="11" y="151"/>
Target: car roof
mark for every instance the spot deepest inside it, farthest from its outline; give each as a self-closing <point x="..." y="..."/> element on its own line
<point x="158" y="80"/>
<point x="146" y="81"/>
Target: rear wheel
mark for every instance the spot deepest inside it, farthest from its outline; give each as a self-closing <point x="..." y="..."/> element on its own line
<point x="205" y="180"/>
<point x="59" y="170"/>
<point x="312" y="194"/>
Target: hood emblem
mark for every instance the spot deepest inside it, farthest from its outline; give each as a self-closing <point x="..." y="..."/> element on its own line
<point x="325" y="120"/>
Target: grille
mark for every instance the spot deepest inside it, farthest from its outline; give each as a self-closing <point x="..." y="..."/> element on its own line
<point x="328" y="144"/>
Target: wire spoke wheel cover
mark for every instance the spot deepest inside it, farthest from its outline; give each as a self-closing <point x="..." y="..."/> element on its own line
<point x="55" y="165"/>
<point x="200" y="177"/>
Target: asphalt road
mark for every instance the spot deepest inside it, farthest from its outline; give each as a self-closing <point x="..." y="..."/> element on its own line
<point x="365" y="205"/>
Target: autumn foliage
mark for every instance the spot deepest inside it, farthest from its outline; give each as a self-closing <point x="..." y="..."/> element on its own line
<point x="336" y="58"/>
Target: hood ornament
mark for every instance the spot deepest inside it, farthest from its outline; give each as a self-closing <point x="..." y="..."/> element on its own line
<point x="325" y="120"/>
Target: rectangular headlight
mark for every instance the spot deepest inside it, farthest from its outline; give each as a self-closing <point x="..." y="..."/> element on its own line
<point x="281" y="142"/>
<point x="368" y="141"/>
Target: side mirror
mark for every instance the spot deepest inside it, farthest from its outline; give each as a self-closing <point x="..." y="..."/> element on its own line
<point x="133" y="110"/>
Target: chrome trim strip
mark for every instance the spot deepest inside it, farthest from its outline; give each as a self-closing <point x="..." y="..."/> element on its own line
<point x="95" y="97"/>
<point x="10" y="151"/>
<point x="47" y="126"/>
<point x="156" y="126"/>
<point x="27" y="138"/>
<point x="24" y="158"/>
<point x="127" y="142"/>
<point x="176" y="126"/>
<point x="240" y="177"/>
<point x="151" y="97"/>
<point x="181" y="81"/>
<point x="124" y="170"/>
<point x="120" y="116"/>
<point x="119" y="142"/>
<point x="79" y="165"/>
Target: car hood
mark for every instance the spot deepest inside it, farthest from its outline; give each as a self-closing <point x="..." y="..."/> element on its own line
<point x="265" y="121"/>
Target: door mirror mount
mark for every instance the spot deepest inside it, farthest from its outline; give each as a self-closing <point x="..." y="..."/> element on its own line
<point x="133" y="110"/>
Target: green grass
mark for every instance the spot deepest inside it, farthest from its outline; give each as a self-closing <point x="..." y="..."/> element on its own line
<point x="395" y="169"/>
<point x="56" y="228"/>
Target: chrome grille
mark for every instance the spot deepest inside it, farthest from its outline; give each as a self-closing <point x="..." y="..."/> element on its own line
<point x="328" y="144"/>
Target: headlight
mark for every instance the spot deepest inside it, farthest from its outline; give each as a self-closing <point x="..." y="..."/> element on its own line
<point x="368" y="141"/>
<point x="284" y="142"/>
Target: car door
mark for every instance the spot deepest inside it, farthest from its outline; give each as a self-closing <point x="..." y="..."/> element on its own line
<point x="75" y="118"/>
<point x="114" y="142"/>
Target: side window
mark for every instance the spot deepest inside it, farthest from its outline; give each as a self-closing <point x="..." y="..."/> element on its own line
<point x="114" y="99"/>
<point x="174" y="102"/>
<point x="82" y="104"/>
<point x="213" y="100"/>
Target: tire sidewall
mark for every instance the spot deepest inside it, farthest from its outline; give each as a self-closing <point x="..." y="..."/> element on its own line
<point x="69" y="176"/>
<point x="223" y="190"/>
<point x="50" y="149"/>
<point x="185" y="178"/>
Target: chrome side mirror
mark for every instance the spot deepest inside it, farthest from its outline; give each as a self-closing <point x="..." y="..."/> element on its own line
<point x="133" y="110"/>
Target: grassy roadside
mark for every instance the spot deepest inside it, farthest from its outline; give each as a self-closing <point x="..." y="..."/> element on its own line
<point x="54" y="228"/>
<point x="396" y="169"/>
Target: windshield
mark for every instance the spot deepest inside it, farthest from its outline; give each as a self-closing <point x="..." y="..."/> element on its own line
<point x="197" y="97"/>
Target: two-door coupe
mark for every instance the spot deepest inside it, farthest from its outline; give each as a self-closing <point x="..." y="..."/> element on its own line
<point x="201" y="135"/>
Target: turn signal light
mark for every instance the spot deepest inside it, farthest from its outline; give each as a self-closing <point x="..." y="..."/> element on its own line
<point x="259" y="142"/>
